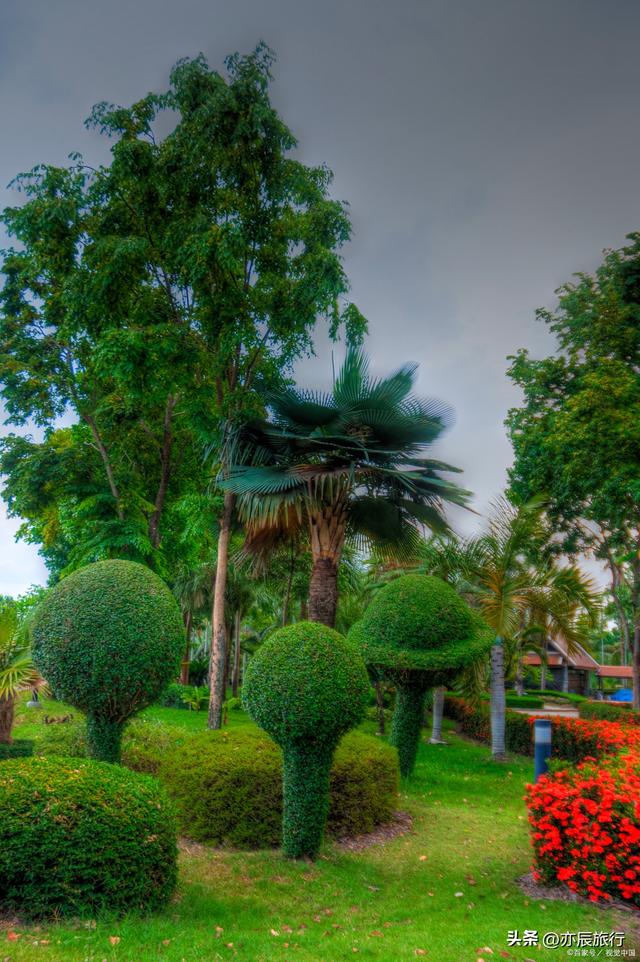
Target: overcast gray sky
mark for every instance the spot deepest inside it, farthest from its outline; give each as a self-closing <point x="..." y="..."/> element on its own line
<point x="488" y="149"/>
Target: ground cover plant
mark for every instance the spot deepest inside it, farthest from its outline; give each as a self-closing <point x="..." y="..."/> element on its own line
<point x="108" y="639"/>
<point x="469" y="835"/>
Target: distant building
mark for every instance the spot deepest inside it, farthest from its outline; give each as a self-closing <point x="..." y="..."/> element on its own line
<point x="577" y="672"/>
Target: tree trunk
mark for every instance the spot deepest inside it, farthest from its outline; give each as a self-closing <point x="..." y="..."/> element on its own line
<point x="184" y="668"/>
<point x="519" y="676"/>
<point x="323" y="592"/>
<point x="543" y="667"/>
<point x="218" y="634"/>
<point x="498" y="702"/>
<point x="235" y="677"/>
<point x="287" y="592"/>
<point x="327" y="527"/>
<point x="7" y="709"/>
<point x="436" y="716"/>
<point x="165" y="472"/>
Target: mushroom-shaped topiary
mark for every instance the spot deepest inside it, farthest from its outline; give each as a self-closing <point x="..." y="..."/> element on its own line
<point x="419" y="633"/>
<point x="306" y="686"/>
<point x="108" y="639"/>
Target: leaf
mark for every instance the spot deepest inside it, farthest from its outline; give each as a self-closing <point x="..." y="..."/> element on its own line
<point x="114" y="939"/>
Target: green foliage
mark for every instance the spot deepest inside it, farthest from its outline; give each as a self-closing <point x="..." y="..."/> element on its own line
<point x="147" y="295"/>
<point x="523" y="701"/>
<point x="17" y="748"/>
<point x="306" y="686"/>
<point x="475" y="721"/>
<point x="576" y="435"/>
<point x="408" y="719"/>
<point x="419" y="633"/>
<point x="79" y="838"/>
<point x="108" y="638"/>
<point x="418" y="623"/>
<point x="227" y="787"/>
<point x="605" y="711"/>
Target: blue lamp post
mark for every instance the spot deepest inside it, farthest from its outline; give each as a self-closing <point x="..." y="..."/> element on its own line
<point x="541" y="746"/>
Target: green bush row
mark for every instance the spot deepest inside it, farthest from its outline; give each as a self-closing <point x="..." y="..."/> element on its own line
<point x="572" y="741"/>
<point x="551" y="693"/>
<point x="227" y="786"/>
<point x="605" y="711"/>
<point x="18" y="748"/>
<point x="79" y="837"/>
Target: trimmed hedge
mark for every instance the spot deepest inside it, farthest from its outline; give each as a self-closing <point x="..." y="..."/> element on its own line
<point x="108" y="639"/>
<point x="306" y="686"/>
<point x="604" y="711"/>
<point x="227" y="787"/>
<point x="573" y="739"/>
<point x="79" y="837"/>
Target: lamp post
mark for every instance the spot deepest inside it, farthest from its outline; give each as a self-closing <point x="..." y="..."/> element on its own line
<point x="542" y="746"/>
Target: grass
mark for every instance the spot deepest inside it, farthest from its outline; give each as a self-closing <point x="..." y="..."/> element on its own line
<point x="445" y="891"/>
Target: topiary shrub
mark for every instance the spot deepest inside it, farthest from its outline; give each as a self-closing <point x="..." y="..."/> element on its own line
<point x="418" y="633"/>
<point x="79" y="837"/>
<point x="108" y="638"/>
<point x="227" y="787"/>
<point x="306" y="686"/>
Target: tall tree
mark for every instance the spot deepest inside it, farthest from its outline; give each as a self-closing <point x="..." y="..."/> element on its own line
<point x="576" y="436"/>
<point x="152" y="296"/>
<point x="347" y="464"/>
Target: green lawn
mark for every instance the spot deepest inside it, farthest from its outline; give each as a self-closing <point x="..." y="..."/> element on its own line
<point x="444" y="891"/>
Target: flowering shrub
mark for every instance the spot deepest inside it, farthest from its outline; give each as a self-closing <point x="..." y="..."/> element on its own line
<point x="573" y="739"/>
<point x="585" y="825"/>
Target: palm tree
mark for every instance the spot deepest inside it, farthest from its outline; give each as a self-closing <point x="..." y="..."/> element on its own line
<point x="512" y="585"/>
<point x="348" y="464"/>
<point x="17" y="671"/>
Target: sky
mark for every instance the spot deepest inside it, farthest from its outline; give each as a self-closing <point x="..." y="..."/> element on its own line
<point x="487" y="150"/>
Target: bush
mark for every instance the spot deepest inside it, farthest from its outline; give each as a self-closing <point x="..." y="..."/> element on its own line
<point x="227" y="787"/>
<point x="108" y="639"/>
<point x="585" y="830"/>
<point x="81" y="837"/>
<point x="573" y="739"/>
<point x="550" y="694"/>
<point x="176" y="695"/>
<point x="475" y="721"/>
<point x="306" y="686"/>
<point x="603" y="710"/>
<point x="417" y="633"/>
<point x="18" y="748"/>
<point x="523" y="701"/>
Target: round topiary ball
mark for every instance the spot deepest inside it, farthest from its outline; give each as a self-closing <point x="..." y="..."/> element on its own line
<point x="79" y="837"/>
<point x="306" y="686"/>
<point x="306" y="683"/>
<point x="108" y="639"/>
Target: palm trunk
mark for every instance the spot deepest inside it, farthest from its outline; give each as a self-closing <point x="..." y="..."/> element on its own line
<point x="7" y="710"/>
<point x="218" y="633"/>
<point x="235" y="677"/>
<point x="498" y="702"/>
<point x="520" y="676"/>
<point x="436" y="716"/>
<point x="184" y="668"/>
<point x="327" y="527"/>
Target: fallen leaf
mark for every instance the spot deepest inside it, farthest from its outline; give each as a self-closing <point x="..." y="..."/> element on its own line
<point x="423" y="858"/>
<point x="219" y="931"/>
<point x="273" y="932"/>
<point x="420" y="952"/>
<point x="485" y="950"/>
<point x="13" y="936"/>
<point x="459" y="895"/>
<point x="166" y="941"/>
<point x="376" y="934"/>
<point x="114" y="939"/>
